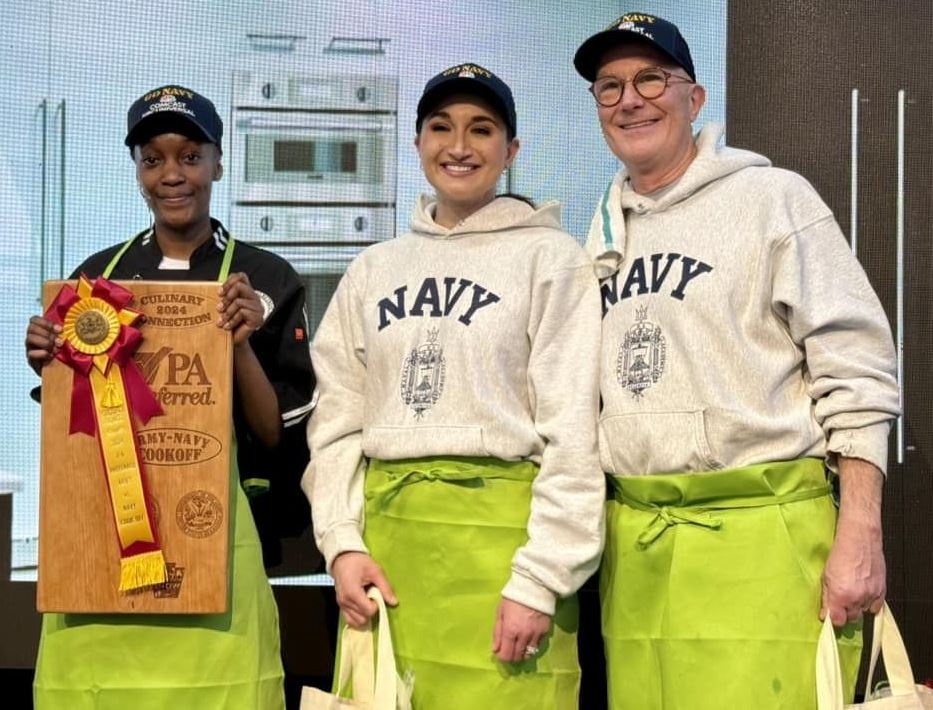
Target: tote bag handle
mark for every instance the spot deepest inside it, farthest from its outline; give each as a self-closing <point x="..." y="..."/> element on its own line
<point x="374" y="679"/>
<point x="891" y="648"/>
<point x="886" y="642"/>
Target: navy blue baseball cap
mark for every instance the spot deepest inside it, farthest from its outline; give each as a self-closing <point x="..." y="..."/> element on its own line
<point x="173" y="109"/>
<point x="469" y="79"/>
<point x="634" y="27"/>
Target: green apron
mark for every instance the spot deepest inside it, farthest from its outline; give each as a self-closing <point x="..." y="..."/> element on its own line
<point x="710" y="589"/>
<point x="158" y="661"/>
<point x="444" y="531"/>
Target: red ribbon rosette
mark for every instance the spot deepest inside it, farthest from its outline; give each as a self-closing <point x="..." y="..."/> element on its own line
<point x="108" y="393"/>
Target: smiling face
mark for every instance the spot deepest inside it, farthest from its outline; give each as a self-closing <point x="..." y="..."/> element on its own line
<point x="176" y="174"/>
<point x="653" y="137"/>
<point x="464" y="149"/>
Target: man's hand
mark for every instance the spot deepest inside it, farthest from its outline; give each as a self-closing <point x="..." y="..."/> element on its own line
<point x="854" y="579"/>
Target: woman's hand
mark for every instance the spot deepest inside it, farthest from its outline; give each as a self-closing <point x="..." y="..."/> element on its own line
<point x="519" y="631"/>
<point x="353" y="572"/>
<point x="241" y="311"/>
<point x="43" y="341"/>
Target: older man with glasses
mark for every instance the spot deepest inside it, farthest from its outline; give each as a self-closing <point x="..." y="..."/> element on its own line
<point x="747" y="370"/>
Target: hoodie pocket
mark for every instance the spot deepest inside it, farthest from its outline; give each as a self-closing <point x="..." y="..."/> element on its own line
<point x="412" y="442"/>
<point x="656" y="442"/>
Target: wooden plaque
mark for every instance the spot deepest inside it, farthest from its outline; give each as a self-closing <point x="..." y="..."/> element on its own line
<point x="187" y="361"/>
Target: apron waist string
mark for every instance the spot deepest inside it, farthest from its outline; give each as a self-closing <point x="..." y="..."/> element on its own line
<point x="668" y="515"/>
<point x="473" y="476"/>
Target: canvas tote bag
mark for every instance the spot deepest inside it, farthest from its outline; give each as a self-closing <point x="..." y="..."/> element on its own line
<point x="901" y="693"/>
<point x="373" y="677"/>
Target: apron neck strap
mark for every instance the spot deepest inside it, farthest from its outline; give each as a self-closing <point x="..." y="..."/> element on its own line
<point x="224" y="266"/>
<point x="119" y="255"/>
<point x="228" y="256"/>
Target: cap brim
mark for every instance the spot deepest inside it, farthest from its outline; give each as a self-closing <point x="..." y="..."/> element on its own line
<point x="589" y="56"/>
<point x="461" y="85"/>
<point x="166" y="122"/>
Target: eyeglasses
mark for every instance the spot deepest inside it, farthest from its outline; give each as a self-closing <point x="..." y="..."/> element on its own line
<point x="650" y="83"/>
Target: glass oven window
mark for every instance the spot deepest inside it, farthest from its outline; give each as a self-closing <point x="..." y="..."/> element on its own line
<point x="339" y="159"/>
<point x="314" y="156"/>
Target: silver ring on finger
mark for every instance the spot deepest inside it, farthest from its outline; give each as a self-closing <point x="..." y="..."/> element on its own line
<point x="531" y="650"/>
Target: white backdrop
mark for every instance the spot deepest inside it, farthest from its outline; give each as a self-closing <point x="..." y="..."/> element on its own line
<point x="68" y="189"/>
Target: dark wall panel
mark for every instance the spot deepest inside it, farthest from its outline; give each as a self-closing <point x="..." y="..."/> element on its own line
<point x="792" y="66"/>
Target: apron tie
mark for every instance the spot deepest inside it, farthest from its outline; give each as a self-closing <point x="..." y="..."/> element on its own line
<point x="471" y="475"/>
<point x="668" y="516"/>
<point x="391" y="488"/>
<point x="699" y="515"/>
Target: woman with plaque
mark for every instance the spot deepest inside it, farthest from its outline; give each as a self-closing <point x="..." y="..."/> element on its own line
<point x="453" y="447"/>
<point x="229" y="660"/>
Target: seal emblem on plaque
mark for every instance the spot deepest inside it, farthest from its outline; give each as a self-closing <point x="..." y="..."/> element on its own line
<point x="423" y="375"/>
<point x="642" y="355"/>
<point x="199" y="513"/>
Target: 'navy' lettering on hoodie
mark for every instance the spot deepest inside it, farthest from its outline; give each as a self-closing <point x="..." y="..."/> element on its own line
<point x="428" y="302"/>
<point x="638" y="282"/>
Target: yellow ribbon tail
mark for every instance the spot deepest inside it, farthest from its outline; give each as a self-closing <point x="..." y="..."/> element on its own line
<point x="142" y="570"/>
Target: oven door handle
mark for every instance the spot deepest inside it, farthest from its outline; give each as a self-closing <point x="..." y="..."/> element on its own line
<point x="273" y="125"/>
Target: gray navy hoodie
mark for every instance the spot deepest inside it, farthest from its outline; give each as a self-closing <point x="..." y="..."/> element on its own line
<point x="480" y="340"/>
<point x="738" y="327"/>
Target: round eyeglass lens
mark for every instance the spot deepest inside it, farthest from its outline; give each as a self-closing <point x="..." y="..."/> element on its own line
<point x="650" y="83"/>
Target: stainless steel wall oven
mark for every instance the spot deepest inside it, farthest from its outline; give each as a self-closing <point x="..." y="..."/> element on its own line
<point x="313" y="162"/>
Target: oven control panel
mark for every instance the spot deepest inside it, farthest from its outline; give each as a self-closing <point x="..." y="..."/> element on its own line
<point x="323" y="225"/>
<point x="343" y="92"/>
